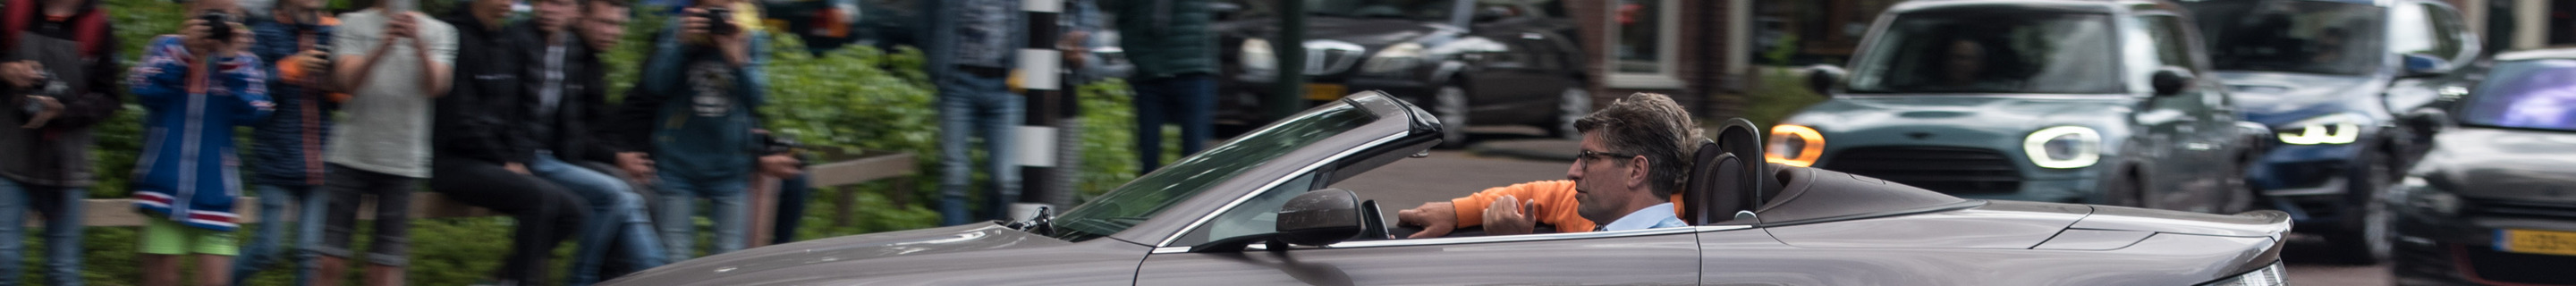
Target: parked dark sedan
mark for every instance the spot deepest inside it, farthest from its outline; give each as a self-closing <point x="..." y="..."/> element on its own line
<point x="2345" y="85"/>
<point x="1261" y="210"/>
<point x="2494" y="203"/>
<point x="1470" y="62"/>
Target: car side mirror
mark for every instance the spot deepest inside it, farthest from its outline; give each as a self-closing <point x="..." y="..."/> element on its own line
<point x="1822" y="79"/>
<point x="2420" y="65"/>
<point x="1319" y="217"/>
<point x="2171" y="80"/>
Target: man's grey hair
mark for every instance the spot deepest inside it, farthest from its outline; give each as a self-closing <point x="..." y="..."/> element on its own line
<point x="1651" y="125"/>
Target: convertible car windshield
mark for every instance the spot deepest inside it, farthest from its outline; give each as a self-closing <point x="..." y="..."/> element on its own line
<point x="2291" y="36"/>
<point x="2527" y="94"/>
<point x="1149" y="195"/>
<point x="1991" y="52"/>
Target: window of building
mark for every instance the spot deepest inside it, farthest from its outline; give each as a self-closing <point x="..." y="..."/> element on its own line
<point x="1642" y="48"/>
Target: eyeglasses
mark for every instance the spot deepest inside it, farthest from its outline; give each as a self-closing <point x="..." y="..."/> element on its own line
<point x="1579" y="156"/>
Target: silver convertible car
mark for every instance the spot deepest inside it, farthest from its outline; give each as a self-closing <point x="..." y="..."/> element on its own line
<point x="1258" y="211"/>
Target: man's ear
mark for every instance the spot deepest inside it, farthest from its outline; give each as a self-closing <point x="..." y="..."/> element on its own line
<point x="1637" y="168"/>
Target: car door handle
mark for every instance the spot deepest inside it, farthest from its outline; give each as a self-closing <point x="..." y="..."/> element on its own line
<point x="1532" y="36"/>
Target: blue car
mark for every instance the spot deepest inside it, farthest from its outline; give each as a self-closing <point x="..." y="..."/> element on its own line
<point x="2345" y="85"/>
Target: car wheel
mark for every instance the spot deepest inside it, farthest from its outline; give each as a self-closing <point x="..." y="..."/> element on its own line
<point x="2123" y="190"/>
<point x="2364" y="241"/>
<point x="1571" y="105"/>
<point x="1450" y="105"/>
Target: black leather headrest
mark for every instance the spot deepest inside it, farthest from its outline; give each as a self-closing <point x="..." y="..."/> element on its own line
<point x="1726" y="176"/>
<point x="1704" y="184"/>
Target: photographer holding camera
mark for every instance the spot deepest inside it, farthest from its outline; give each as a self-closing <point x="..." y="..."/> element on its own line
<point x="59" y="75"/>
<point x="393" y="61"/>
<point x="699" y="88"/>
<point x="197" y="85"/>
<point x="295" y="35"/>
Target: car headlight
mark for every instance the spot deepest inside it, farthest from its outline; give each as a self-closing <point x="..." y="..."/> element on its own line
<point x="1395" y="59"/>
<point x="2415" y="193"/>
<point x="2268" y="276"/>
<point x="2331" y="129"/>
<point x="1795" y="145"/>
<point x="1255" y="55"/>
<point x="2064" y="147"/>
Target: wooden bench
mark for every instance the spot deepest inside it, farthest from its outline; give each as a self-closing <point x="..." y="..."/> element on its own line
<point x="865" y="167"/>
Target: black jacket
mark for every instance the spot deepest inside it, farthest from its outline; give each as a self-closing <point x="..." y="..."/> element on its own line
<point x="57" y="155"/>
<point x="578" y="117"/>
<point x="476" y="120"/>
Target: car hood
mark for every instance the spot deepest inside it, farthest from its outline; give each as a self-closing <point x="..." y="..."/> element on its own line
<point x="1373" y="33"/>
<point x="843" y="255"/>
<point x="2504" y="164"/>
<point x="1958" y="118"/>
<point x="2280" y="98"/>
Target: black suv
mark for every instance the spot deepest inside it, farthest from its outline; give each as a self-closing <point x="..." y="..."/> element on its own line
<point x="1469" y="62"/>
<point x="2347" y="87"/>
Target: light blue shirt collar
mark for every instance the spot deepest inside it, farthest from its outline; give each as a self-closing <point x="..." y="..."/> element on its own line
<point x="1657" y="216"/>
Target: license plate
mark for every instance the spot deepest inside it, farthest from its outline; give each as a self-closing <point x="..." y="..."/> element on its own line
<point x="2536" y="241"/>
<point x="1326" y="91"/>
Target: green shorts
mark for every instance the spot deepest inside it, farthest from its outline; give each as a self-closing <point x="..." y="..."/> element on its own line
<point x="162" y="236"/>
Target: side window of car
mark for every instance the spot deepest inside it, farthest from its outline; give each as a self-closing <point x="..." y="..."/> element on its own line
<point x="1257" y="215"/>
<point x="2452" y="37"/>
<point x="2172" y="48"/>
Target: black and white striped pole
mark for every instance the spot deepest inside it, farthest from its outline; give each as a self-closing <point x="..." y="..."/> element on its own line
<point x="1049" y="117"/>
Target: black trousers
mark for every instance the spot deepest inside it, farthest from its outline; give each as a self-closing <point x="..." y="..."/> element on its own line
<point x="392" y="239"/>
<point x="547" y="214"/>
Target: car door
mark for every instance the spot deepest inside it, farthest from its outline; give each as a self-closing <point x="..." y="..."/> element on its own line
<point x="1667" y="256"/>
<point x="2178" y="145"/>
<point x="1519" y="79"/>
<point x="2214" y="139"/>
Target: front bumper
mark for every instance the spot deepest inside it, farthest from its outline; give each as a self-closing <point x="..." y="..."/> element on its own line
<point x="2306" y="170"/>
<point x="2438" y="249"/>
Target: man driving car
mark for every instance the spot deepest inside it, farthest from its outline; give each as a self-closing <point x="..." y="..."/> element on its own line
<point x="1624" y="178"/>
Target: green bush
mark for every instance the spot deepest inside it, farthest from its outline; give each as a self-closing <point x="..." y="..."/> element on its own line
<point x="843" y="101"/>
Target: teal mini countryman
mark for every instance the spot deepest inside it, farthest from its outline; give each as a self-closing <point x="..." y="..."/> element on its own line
<point x="2102" y="102"/>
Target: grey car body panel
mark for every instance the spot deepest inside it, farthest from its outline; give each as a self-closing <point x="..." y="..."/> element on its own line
<point x="1951" y="242"/>
<point x="2502" y="164"/>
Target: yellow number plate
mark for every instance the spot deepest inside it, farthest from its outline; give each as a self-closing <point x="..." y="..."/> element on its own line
<point x="1326" y="91"/>
<point x="2536" y="241"/>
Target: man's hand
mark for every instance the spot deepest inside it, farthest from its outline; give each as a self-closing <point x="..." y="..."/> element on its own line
<point x="23" y="74"/>
<point x="515" y="167"/>
<point x="52" y="108"/>
<point x="194" y="33"/>
<point x="401" y="26"/>
<point x="1509" y="216"/>
<point x="1436" y="219"/>
<point x="780" y="166"/>
<point x="638" y="166"/>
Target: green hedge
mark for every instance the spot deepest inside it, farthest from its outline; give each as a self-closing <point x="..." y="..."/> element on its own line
<point x="856" y="98"/>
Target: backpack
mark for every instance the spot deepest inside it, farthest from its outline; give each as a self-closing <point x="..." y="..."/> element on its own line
<point x="89" y="27"/>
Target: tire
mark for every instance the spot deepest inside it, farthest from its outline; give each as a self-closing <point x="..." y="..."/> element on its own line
<point x="2124" y="189"/>
<point x="2364" y="241"/>
<point x="1571" y="105"/>
<point x="1449" y="104"/>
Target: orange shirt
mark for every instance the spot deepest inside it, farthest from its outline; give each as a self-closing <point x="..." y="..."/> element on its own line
<point x="1555" y="200"/>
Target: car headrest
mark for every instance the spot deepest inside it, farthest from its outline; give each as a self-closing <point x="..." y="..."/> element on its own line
<point x="1724" y="179"/>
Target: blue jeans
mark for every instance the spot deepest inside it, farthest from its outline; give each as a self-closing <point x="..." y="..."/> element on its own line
<point x="1185" y="100"/>
<point x="264" y="250"/>
<point x="616" y="217"/>
<point x="679" y="201"/>
<point x="792" y="193"/>
<point x="970" y="104"/>
<point x="61" y="207"/>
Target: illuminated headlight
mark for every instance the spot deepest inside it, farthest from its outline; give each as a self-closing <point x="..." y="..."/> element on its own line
<point x="1795" y="145"/>
<point x="1395" y="59"/>
<point x="2415" y="193"/>
<point x="1256" y="55"/>
<point x="2268" y="276"/>
<point x="2330" y="129"/>
<point x="2064" y="147"/>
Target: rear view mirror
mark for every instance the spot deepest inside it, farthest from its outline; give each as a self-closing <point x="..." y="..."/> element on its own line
<point x="1823" y="78"/>
<point x="2171" y="80"/>
<point x="2420" y="65"/>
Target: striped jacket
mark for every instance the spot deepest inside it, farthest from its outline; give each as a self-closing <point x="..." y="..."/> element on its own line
<point x="188" y="171"/>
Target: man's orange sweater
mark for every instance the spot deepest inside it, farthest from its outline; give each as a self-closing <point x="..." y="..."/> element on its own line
<point x="1555" y="200"/>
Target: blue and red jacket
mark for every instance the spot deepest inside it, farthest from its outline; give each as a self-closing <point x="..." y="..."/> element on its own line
<point x="286" y="150"/>
<point x="188" y="171"/>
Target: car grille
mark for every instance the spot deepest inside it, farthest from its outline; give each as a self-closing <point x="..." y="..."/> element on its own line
<point x="1941" y="169"/>
<point x="2505" y="208"/>
<point x="2498" y="266"/>
<point x="1328" y="57"/>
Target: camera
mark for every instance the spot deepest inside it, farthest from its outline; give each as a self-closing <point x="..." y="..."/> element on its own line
<point x="218" y="24"/>
<point x="720" y="21"/>
<point x="775" y="145"/>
